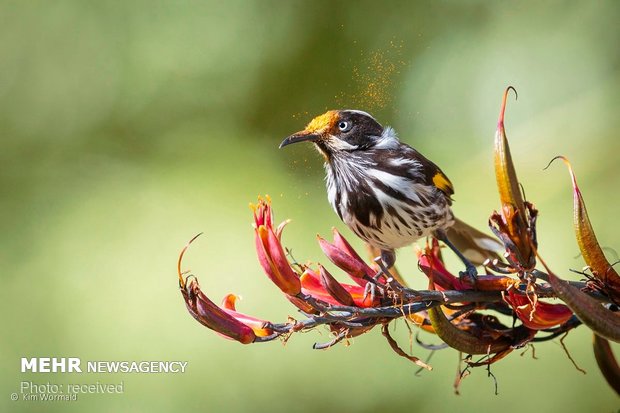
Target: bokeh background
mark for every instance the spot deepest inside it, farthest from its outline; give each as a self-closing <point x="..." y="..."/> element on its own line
<point x="128" y="127"/>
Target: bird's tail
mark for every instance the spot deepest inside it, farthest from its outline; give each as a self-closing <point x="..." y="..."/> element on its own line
<point x="474" y="244"/>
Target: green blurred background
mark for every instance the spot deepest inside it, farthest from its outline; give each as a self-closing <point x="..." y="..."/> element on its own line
<point x="128" y="127"/>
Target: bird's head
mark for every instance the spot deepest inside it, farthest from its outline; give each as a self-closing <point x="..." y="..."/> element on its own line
<point x="339" y="131"/>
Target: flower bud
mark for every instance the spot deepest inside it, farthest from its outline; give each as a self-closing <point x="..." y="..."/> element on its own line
<point x="334" y="288"/>
<point x="343" y="244"/>
<point x="355" y="267"/>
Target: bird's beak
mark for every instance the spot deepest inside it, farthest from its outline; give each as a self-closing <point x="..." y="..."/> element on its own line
<point x="299" y="137"/>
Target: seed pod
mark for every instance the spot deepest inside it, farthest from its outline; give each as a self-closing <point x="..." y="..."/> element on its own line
<point x="586" y="238"/>
<point x="607" y="362"/>
<point x="602" y="321"/>
<point x="514" y="214"/>
<point x="462" y="340"/>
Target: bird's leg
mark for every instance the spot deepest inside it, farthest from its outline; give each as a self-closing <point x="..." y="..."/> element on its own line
<point x="384" y="261"/>
<point x="470" y="269"/>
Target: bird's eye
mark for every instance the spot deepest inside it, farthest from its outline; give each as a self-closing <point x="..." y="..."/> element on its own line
<point x="344" y="126"/>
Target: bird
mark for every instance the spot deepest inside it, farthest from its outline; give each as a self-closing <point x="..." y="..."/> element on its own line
<point x="386" y="192"/>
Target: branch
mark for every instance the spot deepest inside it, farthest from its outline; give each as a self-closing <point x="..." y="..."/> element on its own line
<point x="357" y="318"/>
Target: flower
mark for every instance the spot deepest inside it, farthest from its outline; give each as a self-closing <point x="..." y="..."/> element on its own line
<point x="314" y="284"/>
<point x="271" y="255"/>
<point x="457" y="309"/>
<point x="432" y="265"/>
<point x="345" y="258"/>
<point x="225" y="321"/>
<point x="536" y="314"/>
<point x="258" y="326"/>
<point x="210" y="315"/>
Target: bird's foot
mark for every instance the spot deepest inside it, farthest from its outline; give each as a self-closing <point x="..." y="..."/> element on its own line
<point x="470" y="272"/>
<point x="383" y="270"/>
<point x="372" y="288"/>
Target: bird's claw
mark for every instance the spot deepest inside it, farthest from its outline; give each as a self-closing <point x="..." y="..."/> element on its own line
<point x="470" y="272"/>
<point x="371" y="289"/>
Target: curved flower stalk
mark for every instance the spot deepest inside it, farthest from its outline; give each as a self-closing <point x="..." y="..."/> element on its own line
<point x="506" y="307"/>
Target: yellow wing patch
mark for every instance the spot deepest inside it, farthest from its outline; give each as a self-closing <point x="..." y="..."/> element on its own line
<point x="322" y="122"/>
<point x="442" y="182"/>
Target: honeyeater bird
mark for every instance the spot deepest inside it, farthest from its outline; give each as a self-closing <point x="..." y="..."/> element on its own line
<point x="385" y="191"/>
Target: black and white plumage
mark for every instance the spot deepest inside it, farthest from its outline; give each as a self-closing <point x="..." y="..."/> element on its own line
<point x="385" y="191"/>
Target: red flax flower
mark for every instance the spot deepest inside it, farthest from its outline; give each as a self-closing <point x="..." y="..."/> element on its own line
<point x="324" y="286"/>
<point x="269" y="249"/>
<point x="432" y="265"/>
<point x="224" y="321"/>
<point x="504" y="308"/>
<point x="471" y="333"/>
<point x="536" y="314"/>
